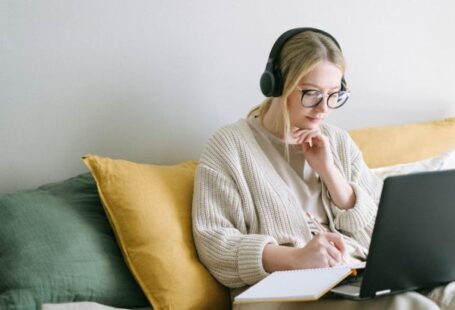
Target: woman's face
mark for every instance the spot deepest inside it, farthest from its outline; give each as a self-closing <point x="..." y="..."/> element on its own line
<point x="325" y="77"/>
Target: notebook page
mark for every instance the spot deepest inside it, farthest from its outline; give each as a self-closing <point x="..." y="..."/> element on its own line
<point x="294" y="285"/>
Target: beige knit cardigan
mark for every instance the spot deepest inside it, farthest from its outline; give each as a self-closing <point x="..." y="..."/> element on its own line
<point x="240" y="203"/>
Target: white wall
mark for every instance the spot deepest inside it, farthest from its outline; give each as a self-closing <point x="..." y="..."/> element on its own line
<point x="150" y="81"/>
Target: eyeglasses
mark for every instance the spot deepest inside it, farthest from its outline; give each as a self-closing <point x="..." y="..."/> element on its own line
<point x="312" y="97"/>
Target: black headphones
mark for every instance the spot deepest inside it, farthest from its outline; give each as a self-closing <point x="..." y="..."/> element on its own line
<point x="271" y="79"/>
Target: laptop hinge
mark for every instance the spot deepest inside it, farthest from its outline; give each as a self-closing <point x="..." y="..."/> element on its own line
<point x="382" y="292"/>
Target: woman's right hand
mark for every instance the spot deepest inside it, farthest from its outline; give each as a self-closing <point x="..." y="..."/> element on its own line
<point x="324" y="250"/>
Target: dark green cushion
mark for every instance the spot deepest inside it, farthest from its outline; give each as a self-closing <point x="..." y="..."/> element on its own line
<point x="56" y="245"/>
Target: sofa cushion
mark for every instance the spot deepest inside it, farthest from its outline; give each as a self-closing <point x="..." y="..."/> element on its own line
<point x="149" y="207"/>
<point x="56" y="246"/>
<point x="390" y="145"/>
<point x="445" y="161"/>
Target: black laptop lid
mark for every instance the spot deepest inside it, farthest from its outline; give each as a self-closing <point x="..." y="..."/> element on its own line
<point x="413" y="241"/>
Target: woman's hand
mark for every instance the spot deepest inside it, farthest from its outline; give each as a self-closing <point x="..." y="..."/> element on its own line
<point x="316" y="149"/>
<point x="324" y="250"/>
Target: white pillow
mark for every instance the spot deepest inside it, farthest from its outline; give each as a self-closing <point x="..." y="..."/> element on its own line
<point x="445" y="161"/>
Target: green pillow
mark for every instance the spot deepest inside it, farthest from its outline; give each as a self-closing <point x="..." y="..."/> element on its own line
<point x="56" y="245"/>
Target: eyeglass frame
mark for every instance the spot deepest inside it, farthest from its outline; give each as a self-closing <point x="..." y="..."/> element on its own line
<point x="303" y="91"/>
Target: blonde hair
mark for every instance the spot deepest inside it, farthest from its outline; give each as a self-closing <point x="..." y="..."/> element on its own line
<point x="298" y="57"/>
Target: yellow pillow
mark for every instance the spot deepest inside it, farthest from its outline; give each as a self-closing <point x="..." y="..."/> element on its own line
<point x="391" y="145"/>
<point x="149" y="208"/>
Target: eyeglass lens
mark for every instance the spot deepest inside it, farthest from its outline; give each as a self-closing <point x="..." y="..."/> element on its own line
<point x="311" y="98"/>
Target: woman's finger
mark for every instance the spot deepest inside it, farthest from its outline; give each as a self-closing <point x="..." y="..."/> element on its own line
<point x="310" y="137"/>
<point x="301" y="132"/>
<point x="331" y="261"/>
<point x="336" y="240"/>
<point x="319" y="140"/>
<point x="334" y="253"/>
<point x="304" y="134"/>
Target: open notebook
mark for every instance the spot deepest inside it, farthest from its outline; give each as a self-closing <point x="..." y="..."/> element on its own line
<point x="296" y="285"/>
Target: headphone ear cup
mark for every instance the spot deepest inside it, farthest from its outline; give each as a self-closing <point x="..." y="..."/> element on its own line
<point x="267" y="83"/>
<point x="278" y="89"/>
<point x="271" y="83"/>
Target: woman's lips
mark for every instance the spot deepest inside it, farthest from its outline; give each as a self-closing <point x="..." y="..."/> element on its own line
<point x="314" y="119"/>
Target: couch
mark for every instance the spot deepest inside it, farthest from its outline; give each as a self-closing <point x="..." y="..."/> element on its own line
<point x="120" y="234"/>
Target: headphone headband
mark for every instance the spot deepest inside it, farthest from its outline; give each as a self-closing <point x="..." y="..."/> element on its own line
<point x="271" y="80"/>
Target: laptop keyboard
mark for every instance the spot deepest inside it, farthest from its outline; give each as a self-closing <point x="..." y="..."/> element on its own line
<point x="357" y="282"/>
<point x="354" y="280"/>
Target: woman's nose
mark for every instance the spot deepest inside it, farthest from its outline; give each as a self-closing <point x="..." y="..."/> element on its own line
<point x="323" y="107"/>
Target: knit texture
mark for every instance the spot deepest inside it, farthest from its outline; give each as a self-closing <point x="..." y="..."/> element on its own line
<point x="240" y="203"/>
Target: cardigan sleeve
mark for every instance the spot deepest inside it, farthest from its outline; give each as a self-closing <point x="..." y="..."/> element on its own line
<point x="359" y="220"/>
<point x="233" y="256"/>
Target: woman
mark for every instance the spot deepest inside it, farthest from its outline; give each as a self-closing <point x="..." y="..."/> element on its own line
<point x="282" y="189"/>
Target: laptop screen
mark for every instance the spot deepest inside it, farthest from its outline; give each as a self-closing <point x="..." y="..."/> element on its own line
<point x="412" y="245"/>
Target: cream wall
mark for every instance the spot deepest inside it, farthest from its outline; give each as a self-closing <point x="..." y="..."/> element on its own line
<point x="150" y="81"/>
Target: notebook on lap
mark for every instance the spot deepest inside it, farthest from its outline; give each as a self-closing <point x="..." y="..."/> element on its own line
<point x="413" y="241"/>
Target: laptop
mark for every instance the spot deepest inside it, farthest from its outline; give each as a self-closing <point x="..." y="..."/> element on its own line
<point x="413" y="241"/>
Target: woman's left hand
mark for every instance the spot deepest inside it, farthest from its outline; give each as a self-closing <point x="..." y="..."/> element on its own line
<point x="316" y="149"/>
